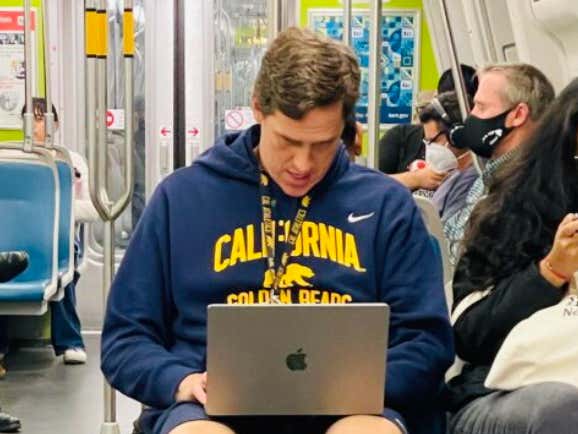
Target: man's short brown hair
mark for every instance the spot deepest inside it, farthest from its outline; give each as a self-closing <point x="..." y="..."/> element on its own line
<point x="525" y="84"/>
<point x="302" y="70"/>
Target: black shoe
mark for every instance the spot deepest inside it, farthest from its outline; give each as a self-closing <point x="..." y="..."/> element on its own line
<point x="9" y="423"/>
<point x="12" y="264"/>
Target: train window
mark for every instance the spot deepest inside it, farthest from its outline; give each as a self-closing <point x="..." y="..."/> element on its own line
<point x="240" y="41"/>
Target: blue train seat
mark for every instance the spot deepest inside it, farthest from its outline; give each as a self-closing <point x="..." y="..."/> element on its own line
<point x="29" y="202"/>
<point x="433" y="223"/>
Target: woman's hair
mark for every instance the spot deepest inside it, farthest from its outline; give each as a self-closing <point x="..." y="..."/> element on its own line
<point x="516" y="223"/>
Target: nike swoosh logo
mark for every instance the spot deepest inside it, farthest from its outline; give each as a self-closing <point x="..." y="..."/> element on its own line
<point x="357" y="218"/>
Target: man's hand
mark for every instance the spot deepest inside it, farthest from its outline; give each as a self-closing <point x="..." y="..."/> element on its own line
<point x="193" y="388"/>
<point x="429" y="179"/>
<point x="421" y="178"/>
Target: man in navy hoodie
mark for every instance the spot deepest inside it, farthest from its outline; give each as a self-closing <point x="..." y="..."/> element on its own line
<point x="205" y="236"/>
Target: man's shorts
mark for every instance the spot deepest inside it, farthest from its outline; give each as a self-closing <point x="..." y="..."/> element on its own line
<point x="164" y="421"/>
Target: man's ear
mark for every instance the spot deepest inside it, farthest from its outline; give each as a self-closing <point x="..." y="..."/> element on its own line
<point x="256" y="108"/>
<point x="518" y="116"/>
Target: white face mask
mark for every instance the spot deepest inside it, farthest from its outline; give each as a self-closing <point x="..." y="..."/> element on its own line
<point x="440" y="158"/>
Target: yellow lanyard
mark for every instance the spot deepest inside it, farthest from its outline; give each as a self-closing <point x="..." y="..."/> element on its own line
<point x="269" y="232"/>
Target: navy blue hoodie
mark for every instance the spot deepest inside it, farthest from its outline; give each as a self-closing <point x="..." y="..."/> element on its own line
<point x="199" y="242"/>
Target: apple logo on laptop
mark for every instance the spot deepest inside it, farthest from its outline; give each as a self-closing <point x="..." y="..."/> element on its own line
<point x="296" y="361"/>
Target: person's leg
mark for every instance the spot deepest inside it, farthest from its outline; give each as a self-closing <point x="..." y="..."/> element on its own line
<point x="544" y="408"/>
<point x="390" y="422"/>
<point x="4" y="341"/>
<point x="65" y="322"/>
<point x="4" y="344"/>
<point x="363" y="425"/>
<point x="190" y="418"/>
<point x="182" y="418"/>
<point x="201" y="427"/>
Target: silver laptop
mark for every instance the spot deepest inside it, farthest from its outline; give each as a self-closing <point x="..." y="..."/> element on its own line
<point x="296" y="359"/>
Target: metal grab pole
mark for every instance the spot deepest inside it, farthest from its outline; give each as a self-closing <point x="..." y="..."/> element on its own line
<point x="96" y="54"/>
<point x="48" y="115"/>
<point x="347" y="22"/>
<point x="110" y="425"/>
<point x="459" y="82"/>
<point x="28" y="115"/>
<point x="274" y="17"/>
<point x="128" y="46"/>
<point x="373" y="114"/>
<point x="288" y="18"/>
<point x="92" y="31"/>
<point x="101" y="91"/>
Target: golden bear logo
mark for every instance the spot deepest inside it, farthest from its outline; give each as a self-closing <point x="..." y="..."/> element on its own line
<point x="295" y="275"/>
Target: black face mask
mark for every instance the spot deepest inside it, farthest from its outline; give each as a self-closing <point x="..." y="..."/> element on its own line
<point x="481" y="135"/>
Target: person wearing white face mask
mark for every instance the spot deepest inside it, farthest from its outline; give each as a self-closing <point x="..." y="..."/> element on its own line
<point x="438" y="118"/>
<point x="402" y="148"/>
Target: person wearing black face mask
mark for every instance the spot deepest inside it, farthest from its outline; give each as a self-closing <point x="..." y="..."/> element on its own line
<point x="509" y="101"/>
<point x="482" y="136"/>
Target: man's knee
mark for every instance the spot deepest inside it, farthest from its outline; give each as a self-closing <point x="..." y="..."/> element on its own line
<point x="201" y="427"/>
<point x="363" y="425"/>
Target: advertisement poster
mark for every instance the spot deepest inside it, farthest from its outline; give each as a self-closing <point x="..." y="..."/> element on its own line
<point x="399" y="62"/>
<point x="12" y="66"/>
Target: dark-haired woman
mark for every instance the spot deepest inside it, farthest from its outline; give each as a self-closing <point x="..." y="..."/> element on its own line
<point x="520" y="252"/>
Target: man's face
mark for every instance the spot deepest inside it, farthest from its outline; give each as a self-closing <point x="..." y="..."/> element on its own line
<point x="433" y="133"/>
<point x="298" y="153"/>
<point x="489" y="100"/>
<point x="39" y="130"/>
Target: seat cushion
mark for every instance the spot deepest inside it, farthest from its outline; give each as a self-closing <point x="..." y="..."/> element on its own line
<point x="23" y="291"/>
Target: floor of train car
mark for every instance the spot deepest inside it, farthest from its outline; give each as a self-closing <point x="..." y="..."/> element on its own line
<point x="51" y="398"/>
